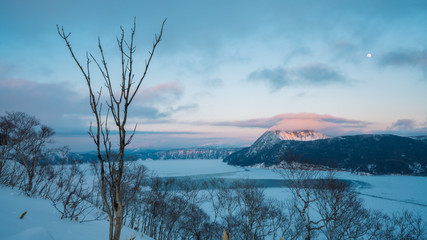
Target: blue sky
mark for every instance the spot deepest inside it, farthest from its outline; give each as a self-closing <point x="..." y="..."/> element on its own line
<point x="225" y="71"/>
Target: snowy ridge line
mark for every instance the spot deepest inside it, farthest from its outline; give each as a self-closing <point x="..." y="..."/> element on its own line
<point x="300" y="135"/>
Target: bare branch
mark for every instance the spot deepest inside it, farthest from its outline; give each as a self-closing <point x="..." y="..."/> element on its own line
<point x="147" y="64"/>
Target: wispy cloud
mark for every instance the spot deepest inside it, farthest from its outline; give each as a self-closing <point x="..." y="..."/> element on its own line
<point x="319" y="74"/>
<point x="402" y="124"/>
<point x="276" y="77"/>
<point x="407" y="127"/>
<point x="54" y="104"/>
<point x="250" y="123"/>
<point x="150" y="100"/>
<point x="310" y="74"/>
<point x="6" y="70"/>
<point x="188" y="107"/>
<point x="213" y="82"/>
<point x="161" y="93"/>
<point x="414" y="58"/>
<point x="327" y="124"/>
<point x="148" y="112"/>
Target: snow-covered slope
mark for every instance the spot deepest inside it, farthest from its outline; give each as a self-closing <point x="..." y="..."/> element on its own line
<point x="300" y="135"/>
<point x="272" y="137"/>
<point x="42" y="221"/>
<point x="371" y="153"/>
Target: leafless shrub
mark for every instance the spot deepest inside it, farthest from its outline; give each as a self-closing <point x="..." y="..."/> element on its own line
<point x="406" y="225"/>
<point x="70" y="195"/>
<point x="304" y="183"/>
<point x="6" y="127"/>
<point x="328" y="206"/>
<point x="243" y="210"/>
<point x="44" y="180"/>
<point x="15" y="175"/>
<point x="341" y="210"/>
<point x="27" y="137"/>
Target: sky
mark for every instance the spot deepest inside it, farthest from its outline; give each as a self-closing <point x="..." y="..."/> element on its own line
<point x="225" y="71"/>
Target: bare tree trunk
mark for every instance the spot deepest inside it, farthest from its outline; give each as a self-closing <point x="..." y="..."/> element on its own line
<point x="111" y="229"/>
<point x="112" y="167"/>
<point x="30" y="181"/>
<point x="119" y="222"/>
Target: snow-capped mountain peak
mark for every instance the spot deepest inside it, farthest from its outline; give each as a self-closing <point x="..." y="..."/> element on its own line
<point x="300" y="135"/>
<point x="272" y="137"/>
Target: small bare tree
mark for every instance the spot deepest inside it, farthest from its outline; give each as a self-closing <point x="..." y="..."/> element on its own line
<point x="70" y="194"/>
<point x="5" y="146"/>
<point x="342" y="211"/>
<point x="28" y="138"/>
<point x="329" y="206"/>
<point x="408" y="225"/>
<point x="112" y="166"/>
<point x="303" y="181"/>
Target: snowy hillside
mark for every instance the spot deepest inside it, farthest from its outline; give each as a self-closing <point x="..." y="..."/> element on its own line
<point x="203" y="152"/>
<point x="371" y="153"/>
<point x="42" y="221"/>
<point x="272" y="137"/>
<point x="300" y="135"/>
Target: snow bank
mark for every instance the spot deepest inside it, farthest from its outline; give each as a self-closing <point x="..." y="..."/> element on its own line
<point x="42" y="221"/>
<point x="36" y="233"/>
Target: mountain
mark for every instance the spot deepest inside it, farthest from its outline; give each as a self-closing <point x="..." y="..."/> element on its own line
<point x="372" y="153"/>
<point x="300" y="135"/>
<point x="272" y="137"/>
<point x="203" y="152"/>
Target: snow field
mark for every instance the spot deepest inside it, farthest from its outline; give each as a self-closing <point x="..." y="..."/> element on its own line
<point x="42" y="221"/>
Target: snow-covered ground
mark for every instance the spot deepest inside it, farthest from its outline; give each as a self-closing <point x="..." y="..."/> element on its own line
<point x="42" y="221"/>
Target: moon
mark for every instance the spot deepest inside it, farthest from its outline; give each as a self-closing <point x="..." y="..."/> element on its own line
<point x="369" y="55"/>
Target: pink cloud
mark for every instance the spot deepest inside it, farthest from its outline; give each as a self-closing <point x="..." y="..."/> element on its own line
<point x="160" y="93"/>
<point x="16" y="83"/>
<point x="327" y="124"/>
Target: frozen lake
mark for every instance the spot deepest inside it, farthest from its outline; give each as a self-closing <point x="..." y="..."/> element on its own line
<point x="389" y="193"/>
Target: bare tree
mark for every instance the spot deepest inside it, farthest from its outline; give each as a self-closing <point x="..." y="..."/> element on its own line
<point x="244" y="211"/>
<point x="5" y="146"/>
<point x="303" y="181"/>
<point x="28" y="138"/>
<point x="112" y="163"/>
<point x="329" y="206"/>
<point x="193" y="223"/>
<point x="408" y="225"/>
<point x="342" y="211"/>
<point x="70" y="194"/>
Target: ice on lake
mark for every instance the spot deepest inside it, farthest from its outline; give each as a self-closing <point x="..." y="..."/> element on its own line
<point x="389" y="193"/>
